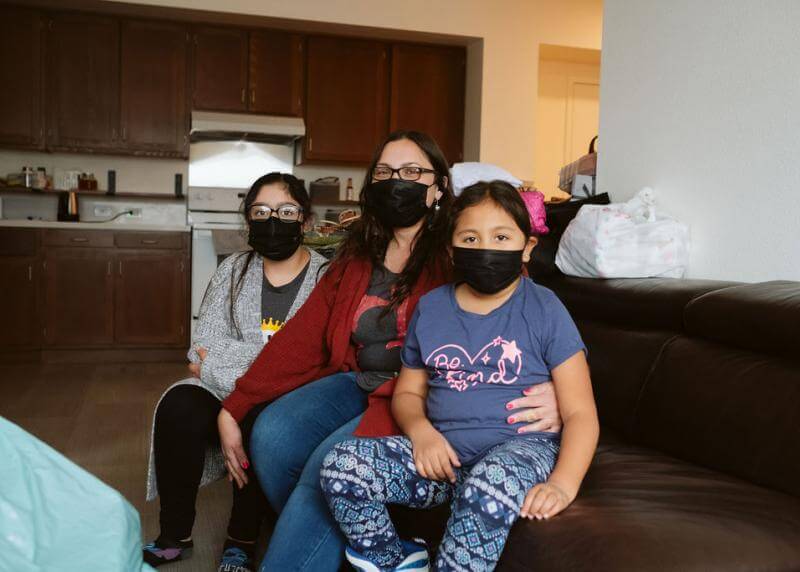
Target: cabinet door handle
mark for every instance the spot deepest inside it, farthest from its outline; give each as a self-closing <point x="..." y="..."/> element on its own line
<point x="30" y="272"/>
<point x="149" y="241"/>
<point x="181" y="266"/>
<point x="120" y="267"/>
<point x="243" y="90"/>
<point x="310" y="144"/>
<point x="79" y="239"/>
<point x="252" y="97"/>
<point x="124" y="133"/>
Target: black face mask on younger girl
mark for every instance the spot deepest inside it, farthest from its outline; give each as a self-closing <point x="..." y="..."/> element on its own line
<point x="274" y="239"/>
<point x="397" y="203"/>
<point x="487" y="271"/>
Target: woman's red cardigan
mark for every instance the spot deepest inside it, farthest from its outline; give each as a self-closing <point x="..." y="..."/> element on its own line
<point x="316" y="343"/>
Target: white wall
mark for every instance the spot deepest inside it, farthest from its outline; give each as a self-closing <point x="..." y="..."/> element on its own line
<point x="701" y="101"/>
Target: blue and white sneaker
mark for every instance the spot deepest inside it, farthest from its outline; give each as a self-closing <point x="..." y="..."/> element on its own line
<point x="416" y="559"/>
<point x="235" y="559"/>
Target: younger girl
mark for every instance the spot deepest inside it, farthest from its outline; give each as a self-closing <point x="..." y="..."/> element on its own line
<point x="470" y="346"/>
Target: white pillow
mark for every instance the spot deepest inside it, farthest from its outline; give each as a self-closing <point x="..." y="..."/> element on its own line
<point x="466" y="174"/>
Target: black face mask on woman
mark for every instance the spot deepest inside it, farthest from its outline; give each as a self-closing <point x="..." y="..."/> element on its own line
<point x="487" y="271"/>
<point x="274" y="239"/>
<point x="397" y="203"/>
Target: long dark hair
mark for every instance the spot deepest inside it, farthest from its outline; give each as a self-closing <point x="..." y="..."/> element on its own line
<point x="500" y="193"/>
<point x="369" y="239"/>
<point x="298" y="192"/>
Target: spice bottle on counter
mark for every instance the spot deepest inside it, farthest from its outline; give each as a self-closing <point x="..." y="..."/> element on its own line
<point x="350" y="194"/>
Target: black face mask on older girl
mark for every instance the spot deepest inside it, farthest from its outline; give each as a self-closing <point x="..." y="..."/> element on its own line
<point x="397" y="203"/>
<point x="487" y="271"/>
<point x="274" y="239"/>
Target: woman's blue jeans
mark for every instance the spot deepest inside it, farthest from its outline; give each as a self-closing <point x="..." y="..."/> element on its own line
<point x="290" y="439"/>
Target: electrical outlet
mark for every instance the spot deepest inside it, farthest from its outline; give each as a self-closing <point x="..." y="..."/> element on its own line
<point x="103" y="211"/>
<point x="135" y="213"/>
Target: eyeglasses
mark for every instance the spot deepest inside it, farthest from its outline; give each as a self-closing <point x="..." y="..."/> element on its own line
<point x="285" y="213"/>
<point x="383" y="172"/>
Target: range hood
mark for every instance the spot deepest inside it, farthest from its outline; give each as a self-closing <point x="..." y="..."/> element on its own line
<point x="212" y="126"/>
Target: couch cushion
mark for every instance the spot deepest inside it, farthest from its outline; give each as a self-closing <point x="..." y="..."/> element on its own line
<point x="728" y="409"/>
<point x="620" y="360"/>
<point x="642" y="510"/>
<point x="649" y="303"/>
<point x="761" y="317"/>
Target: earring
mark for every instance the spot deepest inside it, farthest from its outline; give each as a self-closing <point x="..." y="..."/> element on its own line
<point x="436" y="205"/>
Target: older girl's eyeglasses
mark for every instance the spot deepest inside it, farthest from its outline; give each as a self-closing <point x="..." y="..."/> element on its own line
<point x="285" y="213"/>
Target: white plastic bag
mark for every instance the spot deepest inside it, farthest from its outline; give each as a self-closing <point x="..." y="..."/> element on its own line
<point x="625" y="240"/>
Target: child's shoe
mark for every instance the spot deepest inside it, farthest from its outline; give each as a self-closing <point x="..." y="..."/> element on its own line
<point x="163" y="551"/>
<point x="416" y="559"/>
<point x="234" y="559"/>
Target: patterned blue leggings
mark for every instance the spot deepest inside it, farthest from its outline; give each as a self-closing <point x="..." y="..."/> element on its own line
<point x="360" y="476"/>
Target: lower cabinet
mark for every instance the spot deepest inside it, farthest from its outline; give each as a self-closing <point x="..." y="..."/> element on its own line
<point x="78" y="297"/>
<point x="151" y="302"/>
<point x="19" y="287"/>
<point x="95" y="289"/>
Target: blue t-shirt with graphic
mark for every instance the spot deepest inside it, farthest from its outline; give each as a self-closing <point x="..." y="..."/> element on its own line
<point x="478" y="363"/>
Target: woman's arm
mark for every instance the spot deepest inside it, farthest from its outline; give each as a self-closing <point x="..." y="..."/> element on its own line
<point x="226" y="356"/>
<point x="578" y="440"/>
<point x="433" y="455"/>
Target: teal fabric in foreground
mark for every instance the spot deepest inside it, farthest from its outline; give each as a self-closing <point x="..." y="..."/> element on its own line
<point x="56" y="516"/>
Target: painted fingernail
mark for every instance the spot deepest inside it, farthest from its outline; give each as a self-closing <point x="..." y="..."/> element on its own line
<point x="509" y="406"/>
<point x="511" y="420"/>
<point x="245" y="465"/>
<point x="521" y="430"/>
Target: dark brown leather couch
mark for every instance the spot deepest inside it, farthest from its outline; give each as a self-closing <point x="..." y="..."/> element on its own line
<point x="698" y="469"/>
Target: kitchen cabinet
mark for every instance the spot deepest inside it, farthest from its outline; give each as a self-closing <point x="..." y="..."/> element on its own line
<point x="276" y="66"/>
<point x="220" y="69"/>
<point x="145" y="314"/>
<point x="347" y="87"/>
<point x="428" y="85"/>
<point x="153" y="88"/>
<point x="83" y="82"/>
<point x="19" y="289"/>
<point x="21" y="73"/>
<point x="78" y="297"/>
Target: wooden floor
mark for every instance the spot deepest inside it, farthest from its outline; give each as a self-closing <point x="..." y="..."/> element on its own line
<point x="99" y="416"/>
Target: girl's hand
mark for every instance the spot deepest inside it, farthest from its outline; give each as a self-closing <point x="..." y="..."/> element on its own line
<point x="230" y="437"/>
<point x="539" y="408"/>
<point x="545" y="500"/>
<point x="434" y="457"/>
<point x="194" y="368"/>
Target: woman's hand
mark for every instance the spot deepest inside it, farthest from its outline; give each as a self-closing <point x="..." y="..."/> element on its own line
<point x="539" y="408"/>
<point x="434" y="457"/>
<point x="230" y="437"/>
<point x="545" y="500"/>
<point x="194" y="368"/>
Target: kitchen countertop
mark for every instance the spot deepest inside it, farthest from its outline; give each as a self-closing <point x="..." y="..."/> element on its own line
<point x="94" y="225"/>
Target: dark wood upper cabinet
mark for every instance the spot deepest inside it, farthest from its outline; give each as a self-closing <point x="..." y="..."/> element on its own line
<point x="151" y="298"/>
<point x="220" y="69"/>
<point x="21" y="107"/>
<point x="428" y="85"/>
<point x="79" y="297"/>
<point x="154" y="102"/>
<point x="276" y="73"/>
<point x="83" y="82"/>
<point x="347" y="84"/>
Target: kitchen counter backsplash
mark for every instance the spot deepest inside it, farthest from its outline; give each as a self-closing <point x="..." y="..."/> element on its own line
<point x="102" y="209"/>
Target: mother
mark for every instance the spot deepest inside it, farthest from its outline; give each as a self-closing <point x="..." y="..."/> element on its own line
<point x="331" y="370"/>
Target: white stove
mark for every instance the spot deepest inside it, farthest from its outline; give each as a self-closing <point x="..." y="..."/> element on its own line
<point x="218" y="229"/>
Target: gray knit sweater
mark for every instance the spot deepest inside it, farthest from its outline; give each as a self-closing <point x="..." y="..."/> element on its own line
<point x="230" y="350"/>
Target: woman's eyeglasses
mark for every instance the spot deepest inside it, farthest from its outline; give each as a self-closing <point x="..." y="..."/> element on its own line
<point x="285" y="213"/>
<point x="384" y="172"/>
